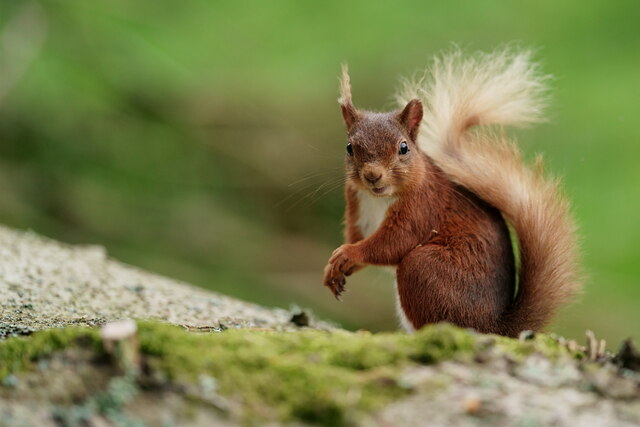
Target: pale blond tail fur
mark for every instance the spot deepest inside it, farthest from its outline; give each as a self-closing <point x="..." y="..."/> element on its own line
<point x="502" y="88"/>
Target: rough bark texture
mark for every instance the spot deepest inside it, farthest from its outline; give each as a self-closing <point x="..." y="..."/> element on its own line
<point x="44" y="283"/>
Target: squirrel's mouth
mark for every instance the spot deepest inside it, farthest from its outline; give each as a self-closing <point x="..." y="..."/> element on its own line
<point x="379" y="190"/>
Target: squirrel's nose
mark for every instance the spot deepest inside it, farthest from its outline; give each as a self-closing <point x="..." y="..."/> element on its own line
<point x="372" y="177"/>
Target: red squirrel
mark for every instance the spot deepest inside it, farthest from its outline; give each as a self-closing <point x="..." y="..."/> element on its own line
<point x="432" y="192"/>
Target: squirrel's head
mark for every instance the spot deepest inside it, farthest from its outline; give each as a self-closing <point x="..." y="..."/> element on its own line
<point x="381" y="151"/>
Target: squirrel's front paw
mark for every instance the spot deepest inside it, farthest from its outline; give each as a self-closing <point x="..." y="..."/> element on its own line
<point x="334" y="281"/>
<point x="341" y="264"/>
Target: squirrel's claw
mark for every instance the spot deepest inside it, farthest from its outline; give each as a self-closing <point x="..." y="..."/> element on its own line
<point x="335" y="284"/>
<point x="337" y="287"/>
<point x="339" y="266"/>
<point x="340" y="289"/>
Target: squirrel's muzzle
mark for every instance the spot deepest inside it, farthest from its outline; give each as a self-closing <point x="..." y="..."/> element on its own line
<point x="371" y="174"/>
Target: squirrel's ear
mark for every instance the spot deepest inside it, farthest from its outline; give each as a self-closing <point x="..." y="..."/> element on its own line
<point x="411" y="117"/>
<point x="349" y="112"/>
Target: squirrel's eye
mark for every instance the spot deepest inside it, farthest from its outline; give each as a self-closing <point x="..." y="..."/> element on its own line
<point x="349" y="149"/>
<point x="404" y="147"/>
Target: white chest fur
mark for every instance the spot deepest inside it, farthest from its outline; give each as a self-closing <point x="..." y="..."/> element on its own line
<point x="372" y="211"/>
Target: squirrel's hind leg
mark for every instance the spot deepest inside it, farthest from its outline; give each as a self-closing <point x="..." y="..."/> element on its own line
<point x="437" y="284"/>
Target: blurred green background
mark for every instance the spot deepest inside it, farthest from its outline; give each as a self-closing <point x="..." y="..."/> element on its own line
<point x="202" y="140"/>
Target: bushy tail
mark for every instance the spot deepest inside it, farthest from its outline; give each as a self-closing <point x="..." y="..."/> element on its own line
<point x="502" y="88"/>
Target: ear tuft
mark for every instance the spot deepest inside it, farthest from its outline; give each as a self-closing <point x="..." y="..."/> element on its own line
<point x="349" y="112"/>
<point x="411" y="117"/>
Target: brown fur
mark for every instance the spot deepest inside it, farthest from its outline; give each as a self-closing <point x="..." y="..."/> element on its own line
<point x="445" y="232"/>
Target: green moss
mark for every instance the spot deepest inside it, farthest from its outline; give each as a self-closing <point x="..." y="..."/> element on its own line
<point x="18" y="353"/>
<point x="312" y="376"/>
<point x="547" y="345"/>
<point x="309" y="375"/>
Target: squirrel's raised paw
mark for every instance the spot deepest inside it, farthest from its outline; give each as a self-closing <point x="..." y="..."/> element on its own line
<point x="334" y="280"/>
<point x="341" y="264"/>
